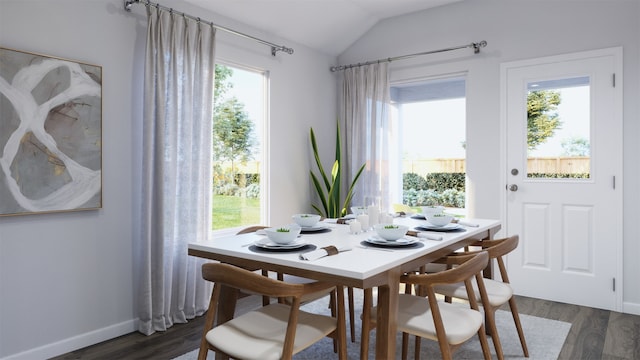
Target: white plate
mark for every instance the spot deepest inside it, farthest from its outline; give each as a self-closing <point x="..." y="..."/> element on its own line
<point x="316" y="227"/>
<point x="400" y="242"/>
<point x="448" y="227"/>
<point x="268" y="244"/>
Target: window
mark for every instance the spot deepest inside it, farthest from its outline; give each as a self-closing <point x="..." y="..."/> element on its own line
<point x="558" y="128"/>
<point x="238" y="141"/>
<point x="432" y="119"/>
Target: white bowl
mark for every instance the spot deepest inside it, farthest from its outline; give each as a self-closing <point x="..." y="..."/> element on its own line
<point x="306" y="220"/>
<point x="283" y="234"/>
<point x="439" y="219"/>
<point x="359" y="210"/>
<point x="430" y="210"/>
<point x="391" y="232"/>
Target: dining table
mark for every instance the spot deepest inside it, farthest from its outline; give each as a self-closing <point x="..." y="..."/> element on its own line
<point x="360" y="262"/>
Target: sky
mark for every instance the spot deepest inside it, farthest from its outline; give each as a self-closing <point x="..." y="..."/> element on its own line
<point x="436" y="129"/>
<point x="247" y="87"/>
<point x="574" y="114"/>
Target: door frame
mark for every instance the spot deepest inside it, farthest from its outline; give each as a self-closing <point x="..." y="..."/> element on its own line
<point x="617" y="113"/>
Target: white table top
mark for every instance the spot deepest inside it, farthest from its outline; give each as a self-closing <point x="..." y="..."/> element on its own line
<point x="359" y="263"/>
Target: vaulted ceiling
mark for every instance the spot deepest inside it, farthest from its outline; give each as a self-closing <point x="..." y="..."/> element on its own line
<point x="329" y="26"/>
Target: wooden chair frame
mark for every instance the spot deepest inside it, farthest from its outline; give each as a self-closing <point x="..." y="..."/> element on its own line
<point x="470" y="266"/>
<point x="332" y="304"/>
<point x="497" y="249"/>
<point x="225" y="275"/>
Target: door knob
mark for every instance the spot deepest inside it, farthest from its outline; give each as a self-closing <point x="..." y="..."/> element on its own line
<point x="512" y="187"/>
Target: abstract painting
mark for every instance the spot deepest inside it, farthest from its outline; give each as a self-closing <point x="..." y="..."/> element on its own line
<point x="50" y="134"/>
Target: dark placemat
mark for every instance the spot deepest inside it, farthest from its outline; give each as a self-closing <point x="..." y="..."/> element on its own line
<point x="302" y="249"/>
<point x="415" y="245"/>
<point x="420" y="228"/>
<point x="309" y="232"/>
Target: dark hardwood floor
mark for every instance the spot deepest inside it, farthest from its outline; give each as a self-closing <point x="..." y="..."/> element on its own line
<point x="594" y="334"/>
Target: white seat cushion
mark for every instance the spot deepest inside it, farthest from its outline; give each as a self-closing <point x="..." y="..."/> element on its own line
<point x="497" y="291"/>
<point x="414" y="317"/>
<point x="260" y="334"/>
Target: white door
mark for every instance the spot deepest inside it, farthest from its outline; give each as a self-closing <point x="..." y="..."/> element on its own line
<point x="570" y="226"/>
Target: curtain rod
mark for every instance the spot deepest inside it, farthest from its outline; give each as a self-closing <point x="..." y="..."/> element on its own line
<point x="274" y="48"/>
<point x="476" y="49"/>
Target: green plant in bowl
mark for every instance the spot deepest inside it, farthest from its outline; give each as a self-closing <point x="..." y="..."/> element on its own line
<point x="391" y="232"/>
<point x="439" y="219"/>
<point x="306" y="220"/>
<point x="283" y="234"/>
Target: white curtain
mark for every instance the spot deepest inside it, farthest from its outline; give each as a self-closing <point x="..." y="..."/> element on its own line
<point x="176" y="185"/>
<point x="368" y="132"/>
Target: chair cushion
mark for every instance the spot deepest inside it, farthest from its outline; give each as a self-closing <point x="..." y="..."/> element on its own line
<point x="259" y="334"/>
<point x="414" y="317"/>
<point x="497" y="291"/>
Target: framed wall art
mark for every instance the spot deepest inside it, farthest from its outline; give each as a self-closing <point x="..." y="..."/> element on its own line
<point x="50" y="134"/>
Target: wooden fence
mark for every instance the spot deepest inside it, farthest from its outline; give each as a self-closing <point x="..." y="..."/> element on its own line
<point x="547" y="165"/>
<point x="559" y="165"/>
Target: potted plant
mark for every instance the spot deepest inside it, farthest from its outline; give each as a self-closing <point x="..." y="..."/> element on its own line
<point x="328" y="189"/>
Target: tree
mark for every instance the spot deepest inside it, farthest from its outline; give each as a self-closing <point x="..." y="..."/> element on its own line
<point x="232" y="133"/>
<point x="575" y="146"/>
<point x="542" y="116"/>
<point x="221" y="83"/>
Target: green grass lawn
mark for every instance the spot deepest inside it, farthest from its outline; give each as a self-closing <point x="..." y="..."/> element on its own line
<point x="233" y="211"/>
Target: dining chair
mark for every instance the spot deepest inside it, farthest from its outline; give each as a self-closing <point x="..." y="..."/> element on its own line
<point x="425" y="316"/>
<point x="248" y="230"/>
<point x="312" y="296"/>
<point x="498" y="292"/>
<point x="274" y="331"/>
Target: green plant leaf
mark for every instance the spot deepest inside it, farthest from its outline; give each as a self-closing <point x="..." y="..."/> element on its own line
<point x="314" y="145"/>
<point x="347" y="200"/>
<point x="331" y="199"/>
<point x="320" y="193"/>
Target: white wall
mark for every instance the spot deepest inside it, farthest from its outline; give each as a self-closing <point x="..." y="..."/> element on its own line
<point x="514" y="30"/>
<point x="67" y="280"/>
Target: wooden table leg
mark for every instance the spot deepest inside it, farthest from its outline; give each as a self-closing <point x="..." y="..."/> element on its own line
<point x="387" y="316"/>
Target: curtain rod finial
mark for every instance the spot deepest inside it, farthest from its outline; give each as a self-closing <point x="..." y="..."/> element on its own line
<point x="128" y="4"/>
<point x="478" y="45"/>
<point x="275" y="49"/>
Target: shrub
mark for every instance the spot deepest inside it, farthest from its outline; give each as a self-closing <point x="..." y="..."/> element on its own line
<point x="452" y="198"/>
<point x="413" y="181"/>
<point x="444" y="181"/>
<point x="253" y="191"/>
<point x="246" y="179"/>
<point x="449" y="198"/>
<point x="227" y="189"/>
<point x="446" y="189"/>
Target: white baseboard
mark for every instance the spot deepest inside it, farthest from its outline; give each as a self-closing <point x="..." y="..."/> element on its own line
<point x="631" y="308"/>
<point x="76" y="342"/>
